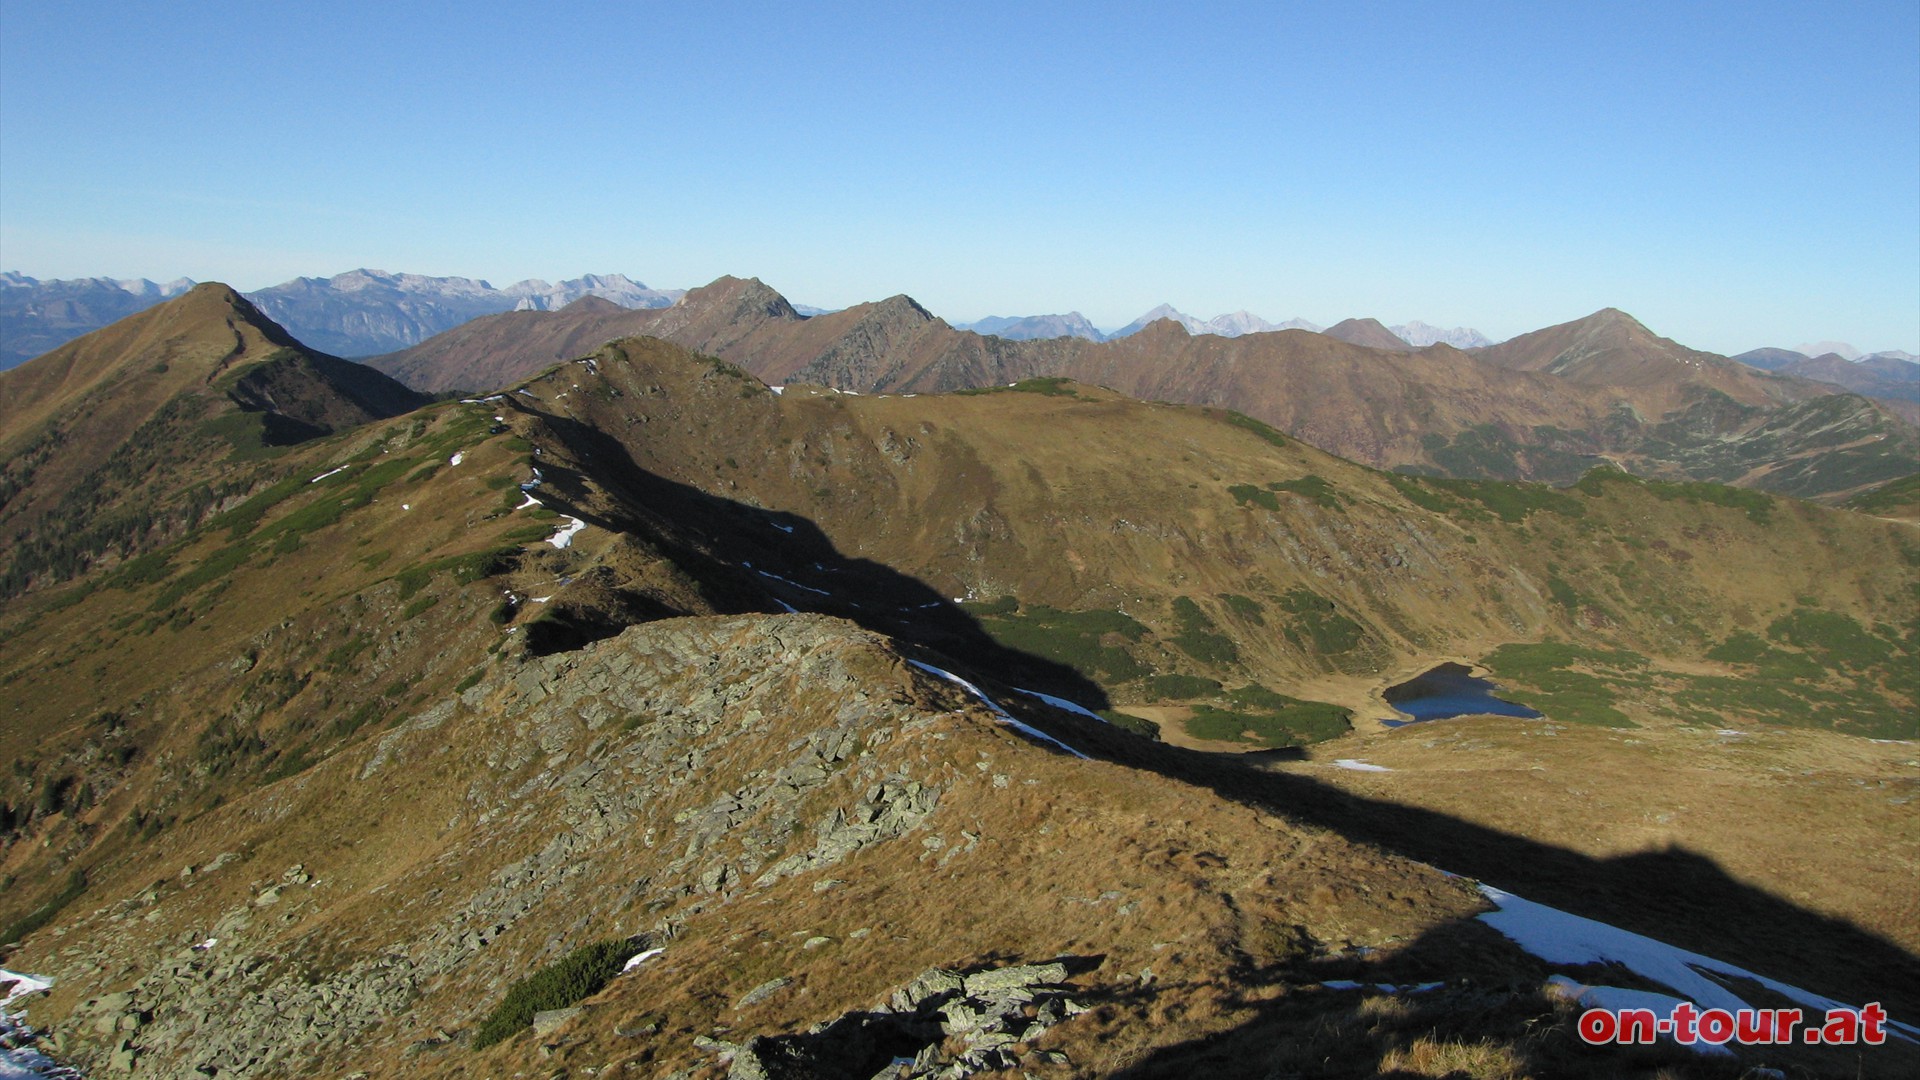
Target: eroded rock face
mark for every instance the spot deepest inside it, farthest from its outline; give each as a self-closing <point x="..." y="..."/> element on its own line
<point x="941" y="1026"/>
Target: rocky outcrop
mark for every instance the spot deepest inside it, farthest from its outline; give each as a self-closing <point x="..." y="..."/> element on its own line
<point x="944" y="1025"/>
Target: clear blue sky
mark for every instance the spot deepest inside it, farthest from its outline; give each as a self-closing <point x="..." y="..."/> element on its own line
<point x="1735" y="174"/>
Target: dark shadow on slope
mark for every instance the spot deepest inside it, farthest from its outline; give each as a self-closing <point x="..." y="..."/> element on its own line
<point x="1460" y="1000"/>
<point x="1677" y="896"/>
<point x="743" y="557"/>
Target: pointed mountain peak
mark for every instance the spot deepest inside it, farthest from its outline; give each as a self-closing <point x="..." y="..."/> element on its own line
<point x="590" y="304"/>
<point x="902" y="304"/>
<point x="743" y="294"/>
<point x="1367" y="332"/>
<point x="1612" y="318"/>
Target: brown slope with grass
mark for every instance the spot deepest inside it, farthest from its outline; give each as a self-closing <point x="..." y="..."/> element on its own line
<point x="324" y="810"/>
<point x="118" y="440"/>
<point x="334" y="678"/>
<point x="1611" y="348"/>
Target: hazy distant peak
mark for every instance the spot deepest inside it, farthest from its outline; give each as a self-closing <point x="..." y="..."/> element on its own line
<point x="1035" y="327"/>
<point x="1236" y="324"/>
<point x="1840" y="348"/>
<point x="1420" y="335"/>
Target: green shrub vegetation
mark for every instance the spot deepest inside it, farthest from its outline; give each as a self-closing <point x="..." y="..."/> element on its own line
<point x="1416" y="491"/>
<point x="75" y="885"/>
<point x="1901" y="494"/>
<point x="1244" y="606"/>
<point x="1261" y="716"/>
<point x="573" y="978"/>
<point x="1264" y="431"/>
<point x="1318" y="624"/>
<point x="1091" y="642"/>
<point x="1198" y="637"/>
<point x="1838" y="639"/>
<point x="1312" y="487"/>
<point x="1539" y="675"/>
<point x="1512" y="501"/>
<point x="1181" y="687"/>
<point x="1004" y="605"/>
<point x="1247" y="493"/>
<point x="1138" y="725"/>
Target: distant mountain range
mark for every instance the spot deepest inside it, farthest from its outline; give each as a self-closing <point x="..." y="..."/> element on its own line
<point x="358" y="313"/>
<point x="1548" y="405"/>
<point x="1893" y="375"/>
<point x="1235" y="324"/>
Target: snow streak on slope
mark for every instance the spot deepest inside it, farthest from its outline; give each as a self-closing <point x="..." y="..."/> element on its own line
<point x="1005" y="717"/>
<point x="1559" y="937"/>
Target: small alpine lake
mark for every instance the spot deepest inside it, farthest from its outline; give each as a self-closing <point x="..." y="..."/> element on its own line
<point x="1446" y="691"/>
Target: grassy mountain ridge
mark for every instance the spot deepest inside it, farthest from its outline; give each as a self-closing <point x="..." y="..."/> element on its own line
<point x="120" y="439"/>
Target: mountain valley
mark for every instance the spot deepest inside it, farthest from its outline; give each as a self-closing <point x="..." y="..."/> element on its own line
<point x="909" y="702"/>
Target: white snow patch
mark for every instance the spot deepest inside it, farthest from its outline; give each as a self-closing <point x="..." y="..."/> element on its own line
<point x="778" y="389"/>
<point x="1059" y="703"/>
<point x="1005" y="717"/>
<point x="524" y="390"/>
<point x="538" y="599"/>
<point x="531" y="501"/>
<point x="791" y="610"/>
<point x="639" y="958"/>
<point x="1559" y="937"/>
<point x="1357" y="765"/>
<point x="782" y="528"/>
<point x="786" y="581"/>
<point x="1385" y="988"/>
<point x="457" y="458"/>
<point x="406" y="506"/>
<point x="1618" y="997"/>
<point x="20" y="985"/>
<point x="564" y="538"/>
<point x="207" y="944"/>
<point x="326" y="474"/>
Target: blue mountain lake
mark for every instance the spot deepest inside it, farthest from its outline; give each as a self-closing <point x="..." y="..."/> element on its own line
<point x="1449" y="690"/>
